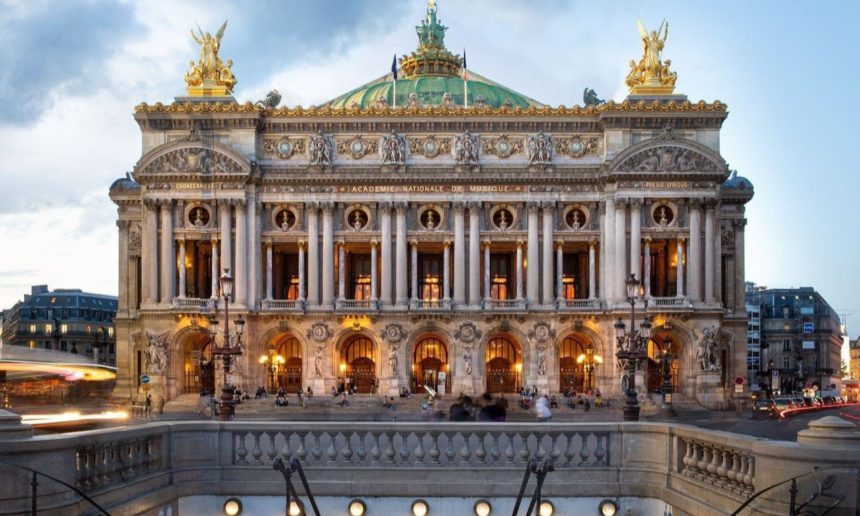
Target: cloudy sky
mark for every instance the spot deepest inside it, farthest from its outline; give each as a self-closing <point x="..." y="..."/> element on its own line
<point x="71" y="73"/>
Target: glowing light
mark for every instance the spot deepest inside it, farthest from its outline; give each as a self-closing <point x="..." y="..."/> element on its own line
<point x="88" y="372"/>
<point x="71" y="416"/>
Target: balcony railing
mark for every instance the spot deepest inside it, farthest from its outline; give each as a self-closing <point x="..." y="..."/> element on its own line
<point x="578" y="304"/>
<point x="357" y="304"/>
<point x="430" y="304"/>
<point x="193" y="303"/>
<point x="679" y="302"/>
<point x="283" y="304"/>
<point x="504" y="304"/>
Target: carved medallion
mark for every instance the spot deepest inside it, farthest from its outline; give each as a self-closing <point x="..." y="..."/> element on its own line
<point x="502" y="147"/>
<point x="357" y="147"/>
<point x="284" y="148"/>
<point x="319" y="332"/>
<point x="467" y="332"/>
<point x="393" y="333"/>
<point x="577" y="146"/>
<point x="430" y="147"/>
<point x="541" y="332"/>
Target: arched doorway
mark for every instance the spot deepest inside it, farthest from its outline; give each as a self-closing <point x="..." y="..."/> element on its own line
<point x="199" y="369"/>
<point x="663" y="342"/>
<point x="504" y="360"/>
<point x="430" y="366"/>
<point x="289" y="375"/>
<point x="572" y="373"/>
<point x="357" y="365"/>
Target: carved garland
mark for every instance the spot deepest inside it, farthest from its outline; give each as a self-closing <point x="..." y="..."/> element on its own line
<point x="430" y="147"/>
<point x="357" y="147"/>
<point x="577" y="146"/>
<point x="284" y="148"/>
<point x="503" y="147"/>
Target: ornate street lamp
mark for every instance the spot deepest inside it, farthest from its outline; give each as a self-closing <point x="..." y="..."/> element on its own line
<point x="227" y="350"/>
<point x="272" y="361"/>
<point x="588" y="360"/>
<point x="632" y="347"/>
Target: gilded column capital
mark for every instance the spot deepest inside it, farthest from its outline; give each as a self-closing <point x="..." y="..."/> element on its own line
<point x="374" y="243"/>
<point x="180" y="239"/>
<point x="268" y="242"/>
<point x="647" y="240"/>
<point x="559" y="244"/>
<point x="384" y="205"/>
<point x="341" y="243"/>
<point x="213" y="238"/>
<point x="533" y="206"/>
<point x="459" y="206"/>
<point x="301" y="244"/>
<point x="446" y="243"/>
<point x="593" y="242"/>
<point x="414" y="243"/>
<point x="486" y="243"/>
<point x="520" y="243"/>
<point x="682" y="239"/>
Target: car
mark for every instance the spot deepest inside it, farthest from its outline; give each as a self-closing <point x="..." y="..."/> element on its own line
<point x="783" y="404"/>
<point x="812" y="403"/>
<point x="828" y="401"/>
<point x="798" y="402"/>
<point x="764" y="409"/>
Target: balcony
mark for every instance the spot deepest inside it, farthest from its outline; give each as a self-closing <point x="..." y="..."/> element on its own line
<point x="284" y="305"/>
<point x="504" y="304"/>
<point x="357" y="304"/>
<point x="430" y="304"/>
<point x="578" y="304"/>
<point x="193" y="303"/>
<point x="670" y="302"/>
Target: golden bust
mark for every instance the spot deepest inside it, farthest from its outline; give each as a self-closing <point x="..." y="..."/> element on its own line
<point x="209" y="76"/>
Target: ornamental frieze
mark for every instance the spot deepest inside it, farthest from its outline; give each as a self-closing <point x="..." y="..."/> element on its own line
<point x="466" y="149"/>
<point x="378" y="189"/>
<point x="283" y="148"/>
<point x="320" y="150"/>
<point x="577" y="146"/>
<point x="198" y="160"/>
<point x="393" y="151"/>
<point x="357" y="147"/>
<point x="668" y="159"/>
<point x="503" y="147"/>
<point x="540" y="149"/>
<point x="429" y="147"/>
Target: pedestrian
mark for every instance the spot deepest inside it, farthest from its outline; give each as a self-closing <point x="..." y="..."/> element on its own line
<point x="542" y="409"/>
<point x="148" y="406"/>
<point x="587" y="405"/>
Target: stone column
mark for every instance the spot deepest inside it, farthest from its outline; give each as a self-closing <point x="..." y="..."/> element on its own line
<point x="414" y="274"/>
<point x="255" y="259"/>
<point x="182" y="270"/>
<point x="240" y="286"/>
<point x="548" y="276"/>
<point x="125" y="288"/>
<point x="647" y="274"/>
<point x="636" y="237"/>
<point x="610" y="294"/>
<point x="679" y="271"/>
<point x="301" y="272"/>
<point x="602" y="237"/>
<point x="149" y="253"/>
<point x="739" y="266"/>
<point x="216" y="271"/>
<point x="341" y="272"/>
<point x="226" y="221"/>
<point x="400" y="272"/>
<point x="269" y="270"/>
<point x="620" y="250"/>
<point x="694" y="259"/>
<point x="533" y="265"/>
<point x="459" y="255"/>
<point x="313" y="255"/>
<point x="168" y="259"/>
<point x="446" y="272"/>
<point x="592" y="271"/>
<point x="373" y="278"/>
<point x="559" y="271"/>
<point x="328" y="256"/>
<point x="474" y="255"/>
<point x="519" y="267"/>
<point x="385" y="231"/>
<point x="718" y="257"/>
<point x="709" y="253"/>
<point x="487" y="286"/>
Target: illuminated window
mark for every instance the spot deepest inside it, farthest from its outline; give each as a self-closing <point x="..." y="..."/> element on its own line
<point x="360" y="268"/>
<point x="429" y="276"/>
<point x="32" y="344"/>
<point x="110" y="331"/>
<point x="89" y="329"/>
<point x="32" y="328"/>
<point x="64" y="328"/>
<point x="49" y="328"/>
<point x="500" y="276"/>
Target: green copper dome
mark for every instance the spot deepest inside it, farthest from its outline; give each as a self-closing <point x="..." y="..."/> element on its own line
<point x="431" y="75"/>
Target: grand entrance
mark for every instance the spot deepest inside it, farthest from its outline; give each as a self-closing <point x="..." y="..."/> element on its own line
<point x="430" y="366"/>
<point x="504" y="360"/>
<point x="199" y="369"/>
<point x="289" y="374"/>
<point x="572" y="373"/>
<point x="659" y="344"/>
<point x="357" y="365"/>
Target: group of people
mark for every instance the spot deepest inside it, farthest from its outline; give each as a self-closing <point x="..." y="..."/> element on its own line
<point x="486" y="408"/>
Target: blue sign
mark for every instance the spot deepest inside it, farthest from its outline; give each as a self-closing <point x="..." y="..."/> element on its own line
<point x="144" y="379"/>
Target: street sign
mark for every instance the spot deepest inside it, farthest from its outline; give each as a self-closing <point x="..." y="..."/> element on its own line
<point x="739" y="380"/>
<point x="739" y="387"/>
<point x="144" y="379"/>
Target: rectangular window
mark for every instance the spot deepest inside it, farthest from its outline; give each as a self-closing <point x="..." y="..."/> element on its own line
<point x="49" y="328"/>
<point x="430" y="277"/>
<point x="64" y="346"/>
<point x="110" y="331"/>
<point x="360" y="269"/>
<point x="64" y="328"/>
<point x="500" y="276"/>
<point x="786" y="362"/>
<point x="786" y="345"/>
<point x="32" y="344"/>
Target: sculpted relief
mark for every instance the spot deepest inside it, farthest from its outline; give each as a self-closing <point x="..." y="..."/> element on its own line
<point x="205" y="161"/>
<point x="668" y="159"/>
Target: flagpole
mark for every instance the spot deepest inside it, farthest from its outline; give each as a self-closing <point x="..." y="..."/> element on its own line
<point x="394" y="78"/>
<point x="465" y="81"/>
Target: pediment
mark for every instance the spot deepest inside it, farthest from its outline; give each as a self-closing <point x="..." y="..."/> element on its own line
<point x="192" y="157"/>
<point x="680" y="156"/>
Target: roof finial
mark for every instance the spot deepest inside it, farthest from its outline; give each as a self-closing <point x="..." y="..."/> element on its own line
<point x="431" y="33"/>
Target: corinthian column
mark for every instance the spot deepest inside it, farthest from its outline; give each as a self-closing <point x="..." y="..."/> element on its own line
<point x="548" y="299"/>
<point x="301" y="272"/>
<point x="608" y="291"/>
<point x="341" y="272"/>
<point x="385" y="250"/>
<point x="240" y="286"/>
<point x="459" y="255"/>
<point x="215" y="268"/>
<point x="519" y="268"/>
<point x="328" y="256"/>
<point x="181" y="267"/>
<point x="694" y="260"/>
<point x="533" y="265"/>
<point x="679" y="270"/>
<point x="592" y="269"/>
<point x="487" y="288"/>
<point x="636" y="237"/>
<point x="474" y="255"/>
<point x="709" y="253"/>
<point x="373" y="278"/>
<point x="559" y="270"/>
<point x="414" y="274"/>
<point x="269" y="257"/>
<point x="313" y="255"/>
<point x="402" y="300"/>
<point x="148" y="258"/>
<point x="446" y="272"/>
<point x="226" y="221"/>
<point x="620" y="249"/>
<point x="168" y="259"/>
<point x="739" y="265"/>
<point x="647" y="274"/>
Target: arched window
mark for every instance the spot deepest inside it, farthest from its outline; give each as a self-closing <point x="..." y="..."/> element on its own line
<point x="290" y="347"/>
<point x="570" y="348"/>
<point x="501" y="347"/>
<point x="431" y="347"/>
<point x="359" y="347"/>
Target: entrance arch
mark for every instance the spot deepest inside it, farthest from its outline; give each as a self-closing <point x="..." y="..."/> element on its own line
<point x="668" y="342"/>
<point x="573" y="374"/>
<point x="504" y="361"/>
<point x="198" y="367"/>
<point x="289" y="376"/>
<point x="430" y="365"/>
<point x="357" y="365"/>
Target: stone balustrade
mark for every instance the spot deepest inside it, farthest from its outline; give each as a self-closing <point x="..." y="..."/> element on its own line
<point x="282" y="304"/>
<point x="678" y="302"/>
<point x="193" y="303"/>
<point x="136" y="469"/>
<point x="578" y="304"/>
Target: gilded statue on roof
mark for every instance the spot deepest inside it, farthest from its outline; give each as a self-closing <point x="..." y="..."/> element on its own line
<point x="651" y="76"/>
<point x="210" y="76"/>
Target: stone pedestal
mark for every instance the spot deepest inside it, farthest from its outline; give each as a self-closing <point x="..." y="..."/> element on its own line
<point x="710" y="391"/>
<point x="391" y="386"/>
<point x="317" y="384"/>
<point x="831" y="431"/>
<point x="11" y="426"/>
<point x="463" y="385"/>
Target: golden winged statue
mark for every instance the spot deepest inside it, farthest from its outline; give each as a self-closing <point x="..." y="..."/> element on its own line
<point x="209" y="76"/>
<point x="651" y="76"/>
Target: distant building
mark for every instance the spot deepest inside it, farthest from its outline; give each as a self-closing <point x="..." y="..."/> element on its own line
<point x="854" y="359"/>
<point x="800" y="340"/>
<point x="67" y="320"/>
<point x="753" y="344"/>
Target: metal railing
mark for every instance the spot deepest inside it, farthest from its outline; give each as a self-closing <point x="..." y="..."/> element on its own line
<point x="34" y="489"/>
